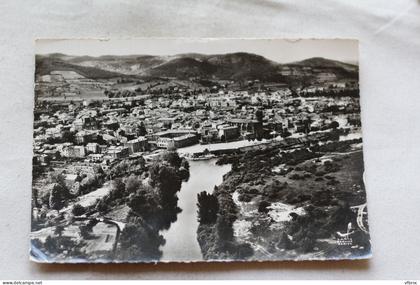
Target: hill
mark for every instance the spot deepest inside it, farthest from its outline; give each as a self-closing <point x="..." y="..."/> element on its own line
<point x="326" y="63"/>
<point x="44" y="65"/>
<point x="234" y="66"/>
<point x="238" y="66"/>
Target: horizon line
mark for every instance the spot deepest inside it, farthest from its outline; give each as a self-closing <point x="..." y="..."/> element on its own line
<point x="352" y="62"/>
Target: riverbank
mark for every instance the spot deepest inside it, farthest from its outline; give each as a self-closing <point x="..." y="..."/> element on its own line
<point x="288" y="204"/>
<point x="181" y="237"/>
<point x="199" y="151"/>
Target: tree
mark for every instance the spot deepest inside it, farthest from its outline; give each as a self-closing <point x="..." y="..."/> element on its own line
<point x="85" y="231"/>
<point x="259" y="115"/>
<point x="307" y="125"/>
<point x="286" y="134"/>
<point x="132" y="184"/>
<point x="185" y="164"/>
<point x="98" y="170"/>
<point x="117" y="190"/>
<point x="101" y="206"/>
<point x="208" y="206"/>
<point x="78" y="210"/>
<point x="184" y="174"/>
<point x="172" y="157"/>
<point x="142" y="129"/>
<point x="143" y="203"/>
<point x="263" y="207"/>
<point x="68" y="136"/>
<point x="167" y="181"/>
<point x="127" y="167"/>
<point x="140" y="242"/>
<point x="88" y="183"/>
<point x="58" y="195"/>
<point x="224" y="230"/>
<point x="92" y="223"/>
<point x="59" y="179"/>
<point x="59" y="230"/>
<point x="334" y="125"/>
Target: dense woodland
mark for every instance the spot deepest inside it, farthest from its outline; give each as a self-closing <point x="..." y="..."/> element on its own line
<point x="149" y="190"/>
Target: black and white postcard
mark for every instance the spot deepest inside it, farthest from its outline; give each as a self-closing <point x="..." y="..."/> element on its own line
<point x="185" y="150"/>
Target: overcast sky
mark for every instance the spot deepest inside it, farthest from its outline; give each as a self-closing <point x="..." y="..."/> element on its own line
<point x="282" y="51"/>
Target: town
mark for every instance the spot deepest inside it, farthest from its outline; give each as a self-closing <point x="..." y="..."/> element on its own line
<point x="93" y="135"/>
<point x="101" y="131"/>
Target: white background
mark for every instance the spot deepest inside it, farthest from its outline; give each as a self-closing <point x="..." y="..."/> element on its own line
<point x="389" y="34"/>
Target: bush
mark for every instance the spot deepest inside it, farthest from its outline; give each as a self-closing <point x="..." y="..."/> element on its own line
<point x="117" y="190"/>
<point x="102" y="206"/>
<point x="85" y="231"/>
<point x="334" y="125"/>
<point x="89" y="183"/>
<point x="127" y="167"/>
<point x="245" y="197"/>
<point x="263" y="207"/>
<point x="132" y="184"/>
<point x="58" y="195"/>
<point x="92" y="223"/>
<point x="78" y="210"/>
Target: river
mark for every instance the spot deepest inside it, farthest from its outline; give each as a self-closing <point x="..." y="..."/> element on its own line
<point x="181" y="238"/>
<point x="197" y="148"/>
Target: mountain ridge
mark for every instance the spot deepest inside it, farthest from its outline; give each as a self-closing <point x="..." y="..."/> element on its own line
<point x="229" y="66"/>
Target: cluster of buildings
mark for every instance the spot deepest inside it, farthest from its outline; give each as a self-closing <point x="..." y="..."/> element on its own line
<point x="100" y="132"/>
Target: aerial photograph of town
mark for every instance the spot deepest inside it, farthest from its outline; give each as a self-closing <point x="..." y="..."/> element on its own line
<point x="160" y="150"/>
